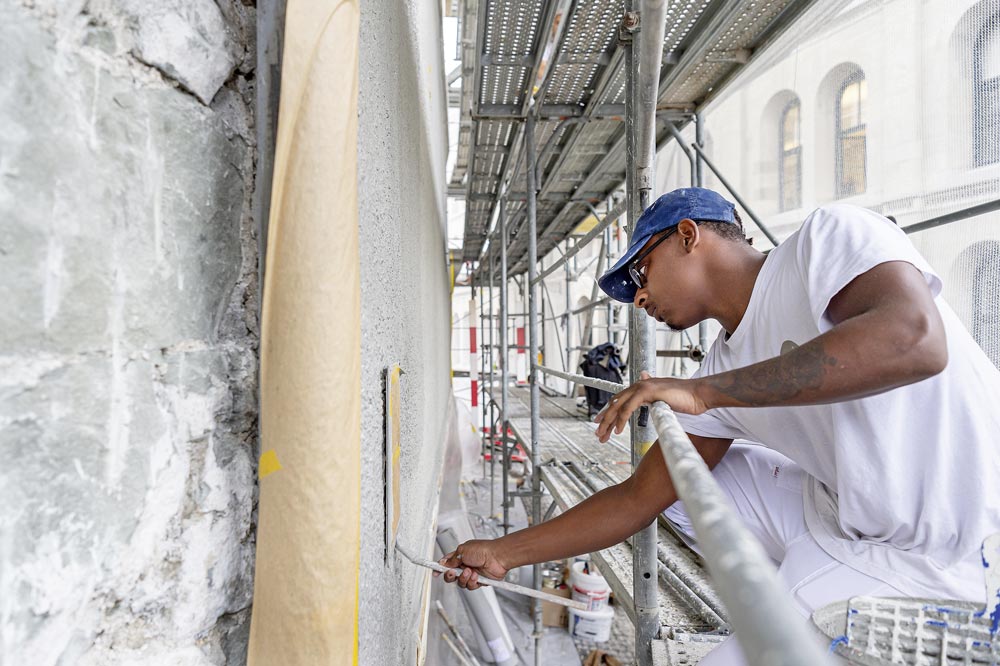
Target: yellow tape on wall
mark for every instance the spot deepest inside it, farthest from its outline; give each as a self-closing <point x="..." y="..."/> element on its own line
<point x="306" y="586"/>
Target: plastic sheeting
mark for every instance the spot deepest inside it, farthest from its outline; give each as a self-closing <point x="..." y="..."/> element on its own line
<point x="306" y="587"/>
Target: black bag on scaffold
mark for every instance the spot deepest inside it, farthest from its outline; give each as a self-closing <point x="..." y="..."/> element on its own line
<point x="601" y="362"/>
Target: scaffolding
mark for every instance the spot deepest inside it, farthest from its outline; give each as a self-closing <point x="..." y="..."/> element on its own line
<point x="498" y="151"/>
<point x="562" y="102"/>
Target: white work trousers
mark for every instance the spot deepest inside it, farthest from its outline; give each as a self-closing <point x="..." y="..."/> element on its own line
<point x="765" y="488"/>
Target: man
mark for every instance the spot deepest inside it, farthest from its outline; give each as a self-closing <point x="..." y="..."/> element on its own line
<point x="881" y="472"/>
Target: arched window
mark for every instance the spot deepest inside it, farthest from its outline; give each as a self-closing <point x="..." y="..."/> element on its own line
<point x="977" y="273"/>
<point x="985" y="322"/>
<point x="790" y="158"/>
<point x="852" y="176"/>
<point x="986" y="91"/>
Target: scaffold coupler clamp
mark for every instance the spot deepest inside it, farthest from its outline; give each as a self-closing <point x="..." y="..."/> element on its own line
<point x="696" y="353"/>
<point x="629" y="25"/>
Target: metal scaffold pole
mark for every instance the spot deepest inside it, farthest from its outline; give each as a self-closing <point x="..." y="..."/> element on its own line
<point x="769" y="629"/>
<point x="540" y="315"/>
<point x="567" y="323"/>
<point x="481" y="388"/>
<point x="699" y="180"/>
<point x="699" y="138"/>
<point x="644" y="56"/>
<point x="504" y="370"/>
<point x="533" y="375"/>
<point x="609" y="313"/>
<point x="492" y="399"/>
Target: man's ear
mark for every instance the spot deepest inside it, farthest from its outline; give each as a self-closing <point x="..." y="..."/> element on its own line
<point x="690" y="234"/>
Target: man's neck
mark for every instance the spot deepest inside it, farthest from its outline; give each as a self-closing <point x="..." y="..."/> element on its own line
<point x="736" y="278"/>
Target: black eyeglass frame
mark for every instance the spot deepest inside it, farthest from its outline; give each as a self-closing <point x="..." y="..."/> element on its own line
<point x="633" y="268"/>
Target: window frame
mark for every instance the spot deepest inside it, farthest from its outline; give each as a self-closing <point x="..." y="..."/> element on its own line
<point x="841" y="133"/>
<point x="986" y="96"/>
<point x="981" y="259"/>
<point x="784" y="153"/>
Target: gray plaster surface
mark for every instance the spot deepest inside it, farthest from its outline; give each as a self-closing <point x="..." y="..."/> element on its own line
<point x="405" y="308"/>
<point x="128" y="333"/>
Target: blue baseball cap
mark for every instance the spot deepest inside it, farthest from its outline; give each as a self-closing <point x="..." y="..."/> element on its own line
<point x="687" y="203"/>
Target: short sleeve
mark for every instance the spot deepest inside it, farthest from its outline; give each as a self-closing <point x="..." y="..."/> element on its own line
<point x="840" y="242"/>
<point x="711" y="423"/>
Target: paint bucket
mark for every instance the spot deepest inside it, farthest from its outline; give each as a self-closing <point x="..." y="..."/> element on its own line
<point x="552" y="577"/>
<point x="591" y="625"/>
<point x="590" y="588"/>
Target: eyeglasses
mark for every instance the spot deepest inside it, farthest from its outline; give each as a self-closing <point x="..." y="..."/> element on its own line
<point x="638" y="274"/>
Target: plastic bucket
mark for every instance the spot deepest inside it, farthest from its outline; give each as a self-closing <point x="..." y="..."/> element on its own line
<point x="591" y="625"/>
<point x="590" y="588"/>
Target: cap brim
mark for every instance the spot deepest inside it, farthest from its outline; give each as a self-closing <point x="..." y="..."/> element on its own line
<point x="616" y="282"/>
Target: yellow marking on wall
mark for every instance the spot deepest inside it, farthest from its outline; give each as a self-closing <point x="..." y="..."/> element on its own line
<point x="268" y="463"/>
<point x="451" y="273"/>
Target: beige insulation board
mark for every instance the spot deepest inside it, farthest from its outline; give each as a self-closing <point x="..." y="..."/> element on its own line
<point x="306" y="585"/>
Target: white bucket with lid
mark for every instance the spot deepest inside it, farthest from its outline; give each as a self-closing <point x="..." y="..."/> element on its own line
<point x="591" y="625"/>
<point x="590" y="588"/>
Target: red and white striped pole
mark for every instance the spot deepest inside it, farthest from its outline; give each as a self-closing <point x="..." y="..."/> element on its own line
<point x="522" y="356"/>
<point x="473" y="352"/>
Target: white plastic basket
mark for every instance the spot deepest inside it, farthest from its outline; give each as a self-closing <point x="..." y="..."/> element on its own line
<point x="875" y="631"/>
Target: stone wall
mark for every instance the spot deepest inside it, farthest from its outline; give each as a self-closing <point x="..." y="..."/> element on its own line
<point x="128" y="331"/>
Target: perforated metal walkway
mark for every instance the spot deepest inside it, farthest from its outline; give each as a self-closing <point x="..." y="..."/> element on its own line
<point x="570" y="58"/>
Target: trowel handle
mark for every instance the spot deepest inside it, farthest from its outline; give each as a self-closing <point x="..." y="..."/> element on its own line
<point x="501" y="584"/>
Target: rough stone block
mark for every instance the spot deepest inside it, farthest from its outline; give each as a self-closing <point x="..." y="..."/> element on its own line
<point x="185" y="39"/>
<point x="120" y="204"/>
<point x="127" y="345"/>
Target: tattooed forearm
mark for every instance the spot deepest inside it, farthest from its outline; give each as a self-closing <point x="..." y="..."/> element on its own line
<point x="777" y="379"/>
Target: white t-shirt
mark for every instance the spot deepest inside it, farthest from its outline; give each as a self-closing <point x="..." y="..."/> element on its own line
<point x="905" y="485"/>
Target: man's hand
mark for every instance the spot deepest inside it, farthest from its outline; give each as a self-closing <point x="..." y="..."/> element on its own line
<point x="680" y="394"/>
<point x="474" y="558"/>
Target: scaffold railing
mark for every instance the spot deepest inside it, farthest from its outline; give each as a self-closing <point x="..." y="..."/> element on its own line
<point x="515" y="217"/>
<point x="769" y="629"/>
